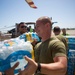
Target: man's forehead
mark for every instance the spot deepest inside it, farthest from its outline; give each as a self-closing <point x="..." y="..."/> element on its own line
<point x="23" y="24"/>
<point x="38" y="22"/>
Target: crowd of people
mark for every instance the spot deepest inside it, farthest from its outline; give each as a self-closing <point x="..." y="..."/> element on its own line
<point x="50" y="54"/>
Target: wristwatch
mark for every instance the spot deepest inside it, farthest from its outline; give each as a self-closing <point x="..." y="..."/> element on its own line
<point x="38" y="70"/>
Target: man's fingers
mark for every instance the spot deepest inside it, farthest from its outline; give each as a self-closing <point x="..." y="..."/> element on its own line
<point x="15" y="65"/>
<point x="24" y="72"/>
<point x="28" y="59"/>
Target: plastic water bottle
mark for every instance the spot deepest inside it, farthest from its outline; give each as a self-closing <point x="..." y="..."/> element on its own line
<point x="2" y="54"/>
<point x="35" y="36"/>
<point x="23" y="36"/>
<point x="29" y="37"/>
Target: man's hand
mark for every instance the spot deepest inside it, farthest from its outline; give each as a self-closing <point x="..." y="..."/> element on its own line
<point x="34" y="42"/>
<point x="11" y="70"/>
<point x="31" y="67"/>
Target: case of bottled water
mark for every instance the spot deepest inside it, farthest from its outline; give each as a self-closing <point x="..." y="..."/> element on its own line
<point x="30" y="36"/>
<point x="14" y="50"/>
<point x="71" y="54"/>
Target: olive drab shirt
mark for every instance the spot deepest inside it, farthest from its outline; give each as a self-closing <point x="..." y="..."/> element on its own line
<point x="47" y="50"/>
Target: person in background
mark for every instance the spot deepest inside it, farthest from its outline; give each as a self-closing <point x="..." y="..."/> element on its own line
<point x="50" y="53"/>
<point x="64" y="32"/>
<point x="21" y="28"/>
<point x="30" y="29"/>
<point x="57" y="32"/>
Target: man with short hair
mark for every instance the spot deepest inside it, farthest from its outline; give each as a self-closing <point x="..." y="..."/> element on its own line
<point x="64" y="32"/>
<point x="57" y="32"/>
<point x="50" y="54"/>
<point x="21" y="28"/>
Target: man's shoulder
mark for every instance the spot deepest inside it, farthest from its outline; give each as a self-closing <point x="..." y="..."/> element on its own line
<point x="61" y="37"/>
<point x="38" y="44"/>
<point x="53" y="40"/>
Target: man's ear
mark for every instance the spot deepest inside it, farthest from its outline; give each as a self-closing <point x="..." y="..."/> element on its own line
<point x="47" y="24"/>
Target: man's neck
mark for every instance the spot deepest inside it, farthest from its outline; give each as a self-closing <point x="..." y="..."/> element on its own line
<point x="44" y="38"/>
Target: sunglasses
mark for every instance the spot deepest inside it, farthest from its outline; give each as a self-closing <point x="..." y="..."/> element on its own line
<point x="23" y="26"/>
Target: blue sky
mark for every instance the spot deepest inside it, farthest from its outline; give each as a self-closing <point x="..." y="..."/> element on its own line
<point x="16" y="11"/>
